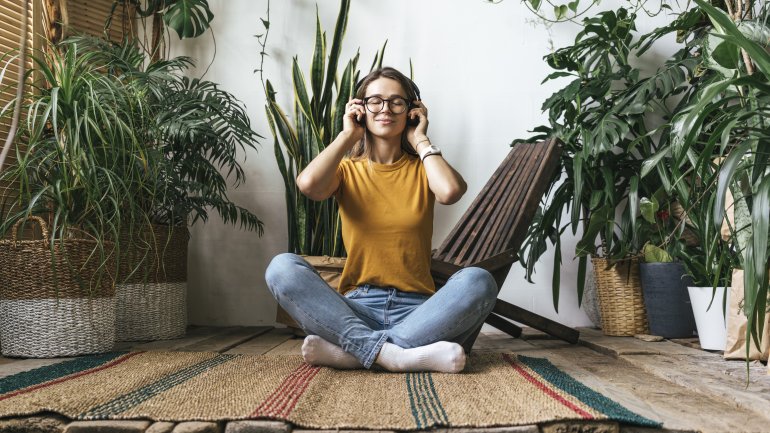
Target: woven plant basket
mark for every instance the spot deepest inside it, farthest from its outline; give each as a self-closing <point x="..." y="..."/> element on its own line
<point x="55" y="304"/>
<point x="621" y="304"/>
<point x="152" y="284"/>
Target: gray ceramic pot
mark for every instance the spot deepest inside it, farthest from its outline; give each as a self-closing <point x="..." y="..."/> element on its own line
<point x="664" y="286"/>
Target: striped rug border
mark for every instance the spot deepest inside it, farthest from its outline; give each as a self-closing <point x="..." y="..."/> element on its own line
<point x="132" y="399"/>
<point x="588" y="396"/>
<point x="281" y="402"/>
<point x="41" y="377"/>
<point x="424" y="401"/>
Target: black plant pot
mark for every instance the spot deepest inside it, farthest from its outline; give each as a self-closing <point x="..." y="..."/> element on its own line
<point x="669" y="312"/>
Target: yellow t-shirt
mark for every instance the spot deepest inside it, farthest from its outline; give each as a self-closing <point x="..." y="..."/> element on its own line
<point x="387" y="224"/>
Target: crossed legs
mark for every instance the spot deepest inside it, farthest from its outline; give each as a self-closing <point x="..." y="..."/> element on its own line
<point x="341" y="335"/>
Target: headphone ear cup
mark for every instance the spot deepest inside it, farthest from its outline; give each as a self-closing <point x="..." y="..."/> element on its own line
<point x="410" y="121"/>
<point x="416" y="90"/>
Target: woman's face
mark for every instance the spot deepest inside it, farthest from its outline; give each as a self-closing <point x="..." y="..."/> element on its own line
<point x="391" y="120"/>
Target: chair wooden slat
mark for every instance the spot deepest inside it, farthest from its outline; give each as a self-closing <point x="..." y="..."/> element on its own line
<point x="506" y="207"/>
<point x="529" y="168"/>
<point x="462" y="230"/>
<point x="517" y="232"/>
<point x="494" y="194"/>
<point x="491" y="231"/>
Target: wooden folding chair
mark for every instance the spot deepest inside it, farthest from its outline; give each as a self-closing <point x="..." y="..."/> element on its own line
<point x="492" y="230"/>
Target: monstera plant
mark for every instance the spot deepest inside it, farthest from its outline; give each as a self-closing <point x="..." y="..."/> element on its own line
<point x="187" y="18"/>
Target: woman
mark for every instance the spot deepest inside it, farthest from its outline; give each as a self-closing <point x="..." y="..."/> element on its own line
<point x="391" y="313"/>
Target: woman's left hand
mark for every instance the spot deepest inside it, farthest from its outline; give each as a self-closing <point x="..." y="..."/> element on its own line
<point x="415" y="134"/>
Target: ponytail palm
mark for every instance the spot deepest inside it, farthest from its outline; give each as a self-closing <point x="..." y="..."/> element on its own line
<point x="84" y="166"/>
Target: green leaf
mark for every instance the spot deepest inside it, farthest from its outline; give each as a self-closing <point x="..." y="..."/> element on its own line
<point x="760" y="219"/>
<point x="557" y="74"/>
<point x="556" y="279"/>
<point x="609" y="132"/>
<point x="653" y="161"/>
<point x="535" y="4"/>
<point x="344" y="95"/>
<point x="381" y="56"/>
<point x="727" y="55"/>
<point x="300" y="90"/>
<point x="726" y="174"/>
<point x="318" y="66"/>
<point x="581" y="280"/>
<point x="655" y="254"/>
<point x="560" y="11"/>
<point x="609" y="19"/>
<point x="577" y="169"/>
<point x="573" y="5"/>
<point x="684" y="131"/>
<point x="730" y="32"/>
<point x="334" y="54"/>
<point x="188" y="18"/>
<point x="587" y="244"/>
<point x="648" y="207"/>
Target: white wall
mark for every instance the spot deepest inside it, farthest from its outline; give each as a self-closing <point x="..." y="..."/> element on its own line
<point x="479" y="68"/>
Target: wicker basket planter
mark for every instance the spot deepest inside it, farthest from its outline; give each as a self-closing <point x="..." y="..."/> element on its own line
<point x="152" y="285"/>
<point x="621" y="304"/>
<point x="55" y="304"/>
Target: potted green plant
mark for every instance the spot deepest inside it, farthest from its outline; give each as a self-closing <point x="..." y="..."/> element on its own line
<point x="615" y="151"/>
<point x="708" y="258"/>
<point x="726" y="117"/>
<point x="599" y="118"/>
<point x="664" y="280"/>
<point x="195" y="131"/>
<point x="313" y="227"/>
<point x="74" y="180"/>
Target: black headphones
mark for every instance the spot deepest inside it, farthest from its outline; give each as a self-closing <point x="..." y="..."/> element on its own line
<point x="415" y="89"/>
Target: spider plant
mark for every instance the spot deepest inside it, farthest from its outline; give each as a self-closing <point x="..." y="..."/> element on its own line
<point x="84" y="166"/>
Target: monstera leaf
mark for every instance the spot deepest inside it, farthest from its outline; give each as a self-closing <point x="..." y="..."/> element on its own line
<point x="188" y="18"/>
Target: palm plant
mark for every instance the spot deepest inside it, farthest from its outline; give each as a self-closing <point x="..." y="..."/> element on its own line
<point x="197" y="129"/>
<point x="313" y="227"/>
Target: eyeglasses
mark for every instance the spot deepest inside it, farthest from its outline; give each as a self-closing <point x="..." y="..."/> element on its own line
<point x="375" y="104"/>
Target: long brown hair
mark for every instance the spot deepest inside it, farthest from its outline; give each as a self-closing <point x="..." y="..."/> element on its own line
<point x="362" y="150"/>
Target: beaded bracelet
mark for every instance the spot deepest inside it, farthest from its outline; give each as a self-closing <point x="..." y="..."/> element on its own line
<point x="420" y="142"/>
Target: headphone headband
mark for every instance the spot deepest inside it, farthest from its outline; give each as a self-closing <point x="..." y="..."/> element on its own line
<point x="414" y="87"/>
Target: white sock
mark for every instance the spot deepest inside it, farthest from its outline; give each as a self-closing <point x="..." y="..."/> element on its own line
<point x="317" y="351"/>
<point x="443" y="356"/>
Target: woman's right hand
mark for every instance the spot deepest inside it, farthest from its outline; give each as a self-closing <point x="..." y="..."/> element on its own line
<point x="354" y="110"/>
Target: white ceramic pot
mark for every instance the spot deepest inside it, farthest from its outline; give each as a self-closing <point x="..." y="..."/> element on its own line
<point x="711" y="324"/>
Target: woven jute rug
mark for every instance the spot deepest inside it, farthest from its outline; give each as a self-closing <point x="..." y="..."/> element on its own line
<point x="496" y="389"/>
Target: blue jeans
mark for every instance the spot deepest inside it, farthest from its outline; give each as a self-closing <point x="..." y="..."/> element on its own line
<point x="369" y="316"/>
